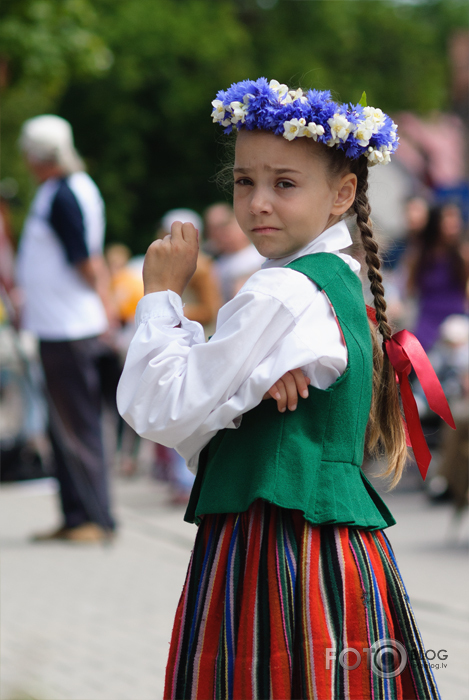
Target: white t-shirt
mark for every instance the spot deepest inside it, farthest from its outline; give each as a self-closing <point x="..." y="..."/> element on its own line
<point x="58" y="303"/>
<point x="179" y="390"/>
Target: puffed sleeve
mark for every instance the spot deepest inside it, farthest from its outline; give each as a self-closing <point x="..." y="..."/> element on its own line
<point x="174" y="385"/>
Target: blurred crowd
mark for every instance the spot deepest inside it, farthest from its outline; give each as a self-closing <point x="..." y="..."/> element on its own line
<point x="68" y="305"/>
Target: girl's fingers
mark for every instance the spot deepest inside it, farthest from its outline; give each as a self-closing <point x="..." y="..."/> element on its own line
<point x="291" y="389"/>
<point x="281" y="392"/>
<point x="285" y="391"/>
<point x="184" y="233"/>
<point x="189" y="233"/>
<point x="301" y="382"/>
<point x="274" y="392"/>
<point x="176" y="231"/>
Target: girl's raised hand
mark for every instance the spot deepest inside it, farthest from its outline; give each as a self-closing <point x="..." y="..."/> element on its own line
<point x="285" y="391"/>
<point x="170" y="262"/>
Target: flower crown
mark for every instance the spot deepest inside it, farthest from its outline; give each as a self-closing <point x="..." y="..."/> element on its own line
<point x="355" y="129"/>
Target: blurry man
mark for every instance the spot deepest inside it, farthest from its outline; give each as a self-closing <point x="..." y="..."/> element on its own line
<point x="236" y="258"/>
<point x="66" y="305"/>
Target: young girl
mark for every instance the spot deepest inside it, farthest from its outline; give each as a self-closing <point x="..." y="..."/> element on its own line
<point x="292" y="590"/>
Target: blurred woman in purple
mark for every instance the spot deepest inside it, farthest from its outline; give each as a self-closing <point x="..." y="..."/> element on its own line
<point x="439" y="272"/>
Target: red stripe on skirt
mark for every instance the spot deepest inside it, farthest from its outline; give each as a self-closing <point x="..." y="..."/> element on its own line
<point x="315" y="625"/>
<point x="357" y="631"/>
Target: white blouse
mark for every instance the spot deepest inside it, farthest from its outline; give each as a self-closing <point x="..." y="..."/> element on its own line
<point x="178" y="390"/>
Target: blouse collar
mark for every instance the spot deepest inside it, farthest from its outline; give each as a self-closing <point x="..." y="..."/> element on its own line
<point x="333" y="239"/>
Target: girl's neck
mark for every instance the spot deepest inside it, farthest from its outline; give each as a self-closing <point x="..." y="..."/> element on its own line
<point x="334" y="238"/>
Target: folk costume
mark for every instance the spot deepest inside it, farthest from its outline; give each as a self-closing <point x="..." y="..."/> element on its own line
<point x="291" y="566"/>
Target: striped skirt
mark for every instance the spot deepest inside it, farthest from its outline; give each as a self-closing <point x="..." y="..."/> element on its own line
<point x="274" y="607"/>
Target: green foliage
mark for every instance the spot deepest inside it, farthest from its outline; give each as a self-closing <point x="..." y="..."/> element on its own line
<point x="44" y="45"/>
<point x="397" y="52"/>
<point x="47" y="41"/>
<point x="136" y="78"/>
<point x="152" y="146"/>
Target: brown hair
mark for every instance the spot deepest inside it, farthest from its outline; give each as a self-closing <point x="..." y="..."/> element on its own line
<point x="428" y="241"/>
<point x="385" y="430"/>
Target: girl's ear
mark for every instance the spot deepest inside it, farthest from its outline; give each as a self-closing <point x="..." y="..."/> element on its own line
<point x="346" y="190"/>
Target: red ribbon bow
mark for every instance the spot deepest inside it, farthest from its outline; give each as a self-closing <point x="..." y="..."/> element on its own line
<point x="404" y="352"/>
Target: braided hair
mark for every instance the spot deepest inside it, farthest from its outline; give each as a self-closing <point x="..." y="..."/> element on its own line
<point x="385" y="431"/>
<point x="385" y="427"/>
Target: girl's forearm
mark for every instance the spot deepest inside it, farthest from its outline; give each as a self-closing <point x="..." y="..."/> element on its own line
<point x="174" y="385"/>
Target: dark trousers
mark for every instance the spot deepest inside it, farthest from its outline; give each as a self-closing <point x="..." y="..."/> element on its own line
<point x="74" y="385"/>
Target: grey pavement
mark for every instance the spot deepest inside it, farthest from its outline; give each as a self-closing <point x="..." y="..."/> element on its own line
<point x="81" y="622"/>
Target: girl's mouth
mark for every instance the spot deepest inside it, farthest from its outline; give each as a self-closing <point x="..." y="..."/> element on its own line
<point x="264" y="229"/>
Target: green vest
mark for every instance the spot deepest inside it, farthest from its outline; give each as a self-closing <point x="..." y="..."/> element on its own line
<point x="309" y="459"/>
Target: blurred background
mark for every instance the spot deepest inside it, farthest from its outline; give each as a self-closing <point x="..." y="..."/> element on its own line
<point x="135" y="79"/>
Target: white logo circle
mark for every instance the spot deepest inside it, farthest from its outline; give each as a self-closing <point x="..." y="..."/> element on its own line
<point x="388" y="658"/>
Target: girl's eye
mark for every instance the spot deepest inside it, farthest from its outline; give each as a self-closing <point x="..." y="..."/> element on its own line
<point x="243" y="181"/>
<point x="284" y="184"/>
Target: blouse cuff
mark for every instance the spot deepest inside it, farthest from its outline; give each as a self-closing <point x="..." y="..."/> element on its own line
<point x="164" y="306"/>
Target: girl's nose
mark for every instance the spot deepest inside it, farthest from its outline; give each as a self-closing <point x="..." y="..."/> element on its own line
<point x="260" y="202"/>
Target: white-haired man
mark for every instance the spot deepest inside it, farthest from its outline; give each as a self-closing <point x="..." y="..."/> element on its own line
<point x="65" y="304"/>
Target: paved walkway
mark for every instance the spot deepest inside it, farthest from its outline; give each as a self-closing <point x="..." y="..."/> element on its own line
<point x="93" y="622"/>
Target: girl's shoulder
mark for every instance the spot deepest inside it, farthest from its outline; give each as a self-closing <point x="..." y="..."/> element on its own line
<point x="289" y="287"/>
<point x="276" y="281"/>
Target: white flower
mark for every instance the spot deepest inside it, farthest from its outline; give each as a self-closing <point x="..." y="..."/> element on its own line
<point x="239" y="112"/>
<point x="374" y="156"/>
<point x="340" y="129"/>
<point x="297" y="95"/>
<point x="383" y="155"/>
<point x="275" y="85"/>
<point x="313" y="130"/>
<point x="218" y="111"/>
<point x="293" y="128"/>
<point x="282" y="91"/>
<point x="386" y="155"/>
<point x="280" y="88"/>
<point x="363" y="132"/>
<point x="375" y="116"/>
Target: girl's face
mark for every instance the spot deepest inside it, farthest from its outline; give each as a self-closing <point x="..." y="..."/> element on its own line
<point x="283" y="194"/>
<point x="451" y="224"/>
